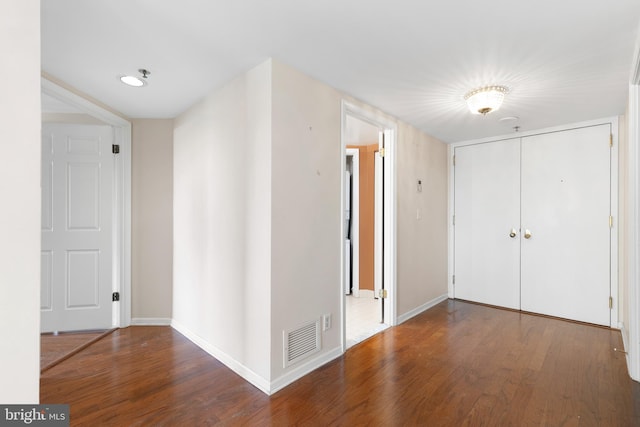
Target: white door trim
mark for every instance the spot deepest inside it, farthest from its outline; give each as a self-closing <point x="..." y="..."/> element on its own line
<point x="633" y="215"/>
<point x="122" y="202"/>
<point x="390" y="127"/>
<point x="355" y="219"/>
<point x="613" y="121"/>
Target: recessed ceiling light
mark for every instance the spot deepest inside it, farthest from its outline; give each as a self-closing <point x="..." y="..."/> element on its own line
<point x="132" y="81"/>
<point x="509" y="119"/>
<point x="136" y="81"/>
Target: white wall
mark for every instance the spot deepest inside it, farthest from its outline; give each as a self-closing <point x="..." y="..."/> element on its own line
<point x="306" y="226"/>
<point x="221" y="291"/>
<point x="151" y="220"/>
<point x="20" y="194"/>
<point x="422" y="243"/>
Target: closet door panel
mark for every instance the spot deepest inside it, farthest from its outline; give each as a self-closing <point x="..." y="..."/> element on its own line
<point x="486" y="206"/>
<point x="565" y="268"/>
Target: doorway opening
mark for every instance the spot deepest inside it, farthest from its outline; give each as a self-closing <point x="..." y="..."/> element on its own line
<point x="65" y="109"/>
<point x="368" y="225"/>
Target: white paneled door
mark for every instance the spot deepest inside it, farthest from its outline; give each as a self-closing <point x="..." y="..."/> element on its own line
<point x="77" y="203"/>
<point x="532" y="223"/>
<point x="566" y="182"/>
<point x="487" y="218"/>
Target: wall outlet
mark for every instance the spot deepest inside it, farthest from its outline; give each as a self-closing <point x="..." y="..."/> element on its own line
<point x="326" y="321"/>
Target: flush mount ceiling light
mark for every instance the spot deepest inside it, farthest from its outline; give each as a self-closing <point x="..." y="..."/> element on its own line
<point x="136" y="81"/>
<point x="486" y="99"/>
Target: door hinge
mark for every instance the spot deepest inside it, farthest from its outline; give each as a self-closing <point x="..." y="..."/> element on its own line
<point x="610" y="303"/>
<point x="381" y="152"/>
<point x="454" y="160"/>
<point x="454" y="279"/>
<point x="610" y="140"/>
<point x="115" y="149"/>
<point x="454" y="220"/>
<point x="115" y="296"/>
<point x="382" y="293"/>
<point x="610" y="221"/>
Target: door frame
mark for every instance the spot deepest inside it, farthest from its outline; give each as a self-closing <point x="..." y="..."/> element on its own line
<point x="121" y="276"/>
<point x="613" y="244"/>
<point x="390" y="228"/>
<point x="355" y="218"/>
<point x="632" y="248"/>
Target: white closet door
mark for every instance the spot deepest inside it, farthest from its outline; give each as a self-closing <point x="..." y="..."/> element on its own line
<point x="566" y="208"/>
<point x="487" y="209"/>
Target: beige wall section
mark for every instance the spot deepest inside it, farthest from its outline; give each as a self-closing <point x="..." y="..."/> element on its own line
<point x="422" y="243"/>
<point x="306" y="179"/>
<point x="20" y="140"/>
<point x="222" y="218"/>
<point x="151" y="219"/>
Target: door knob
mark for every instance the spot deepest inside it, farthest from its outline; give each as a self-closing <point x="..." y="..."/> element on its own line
<point x="512" y="233"/>
<point x="527" y="234"/>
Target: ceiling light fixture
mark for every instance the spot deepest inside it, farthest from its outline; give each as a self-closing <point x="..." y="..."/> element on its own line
<point x="136" y="81"/>
<point x="486" y="99"/>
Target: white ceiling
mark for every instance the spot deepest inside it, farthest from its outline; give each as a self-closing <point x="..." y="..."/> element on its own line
<point x="564" y="60"/>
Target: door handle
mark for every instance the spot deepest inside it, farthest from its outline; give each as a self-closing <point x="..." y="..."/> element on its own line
<point x="527" y="234"/>
<point x="513" y="233"/>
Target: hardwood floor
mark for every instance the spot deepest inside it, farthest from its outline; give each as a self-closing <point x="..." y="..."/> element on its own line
<point x="458" y="364"/>
<point x="54" y="348"/>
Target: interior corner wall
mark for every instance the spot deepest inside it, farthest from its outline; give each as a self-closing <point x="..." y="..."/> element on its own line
<point x="151" y="220"/>
<point x="421" y="219"/>
<point x="222" y="218"/>
<point x="20" y="192"/>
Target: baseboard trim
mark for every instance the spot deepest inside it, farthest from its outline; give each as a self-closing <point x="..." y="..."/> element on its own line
<point x="304" y="369"/>
<point x="237" y="367"/>
<point x="150" y="321"/>
<point x="623" y="332"/>
<point x="424" y="307"/>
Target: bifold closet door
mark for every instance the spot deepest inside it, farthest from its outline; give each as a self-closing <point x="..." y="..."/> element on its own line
<point x="565" y="244"/>
<point x="487" y="217"/>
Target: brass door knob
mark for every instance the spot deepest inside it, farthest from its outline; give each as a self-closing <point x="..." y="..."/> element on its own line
<point x="513" y="233"/>
<point x="527" y="234"/>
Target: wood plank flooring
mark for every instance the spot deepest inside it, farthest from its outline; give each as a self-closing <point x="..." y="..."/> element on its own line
<point x="57" y="347"/>
<point x="458" y="364"/>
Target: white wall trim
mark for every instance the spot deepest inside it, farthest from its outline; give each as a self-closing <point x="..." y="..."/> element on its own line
<point x="633" y="247"/>
<point x="151" y="321"/>
<point x="305" y="368"/>
<point x="625" y="345"/>
<point x="420" y="309"/>
<point x="122" y="229"/>
<point x="259" y="382"/>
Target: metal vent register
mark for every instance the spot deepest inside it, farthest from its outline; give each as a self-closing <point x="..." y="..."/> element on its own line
<point x="301" y="342"/>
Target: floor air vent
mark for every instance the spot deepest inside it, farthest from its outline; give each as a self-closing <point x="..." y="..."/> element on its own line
<point x="300" y="343"/>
